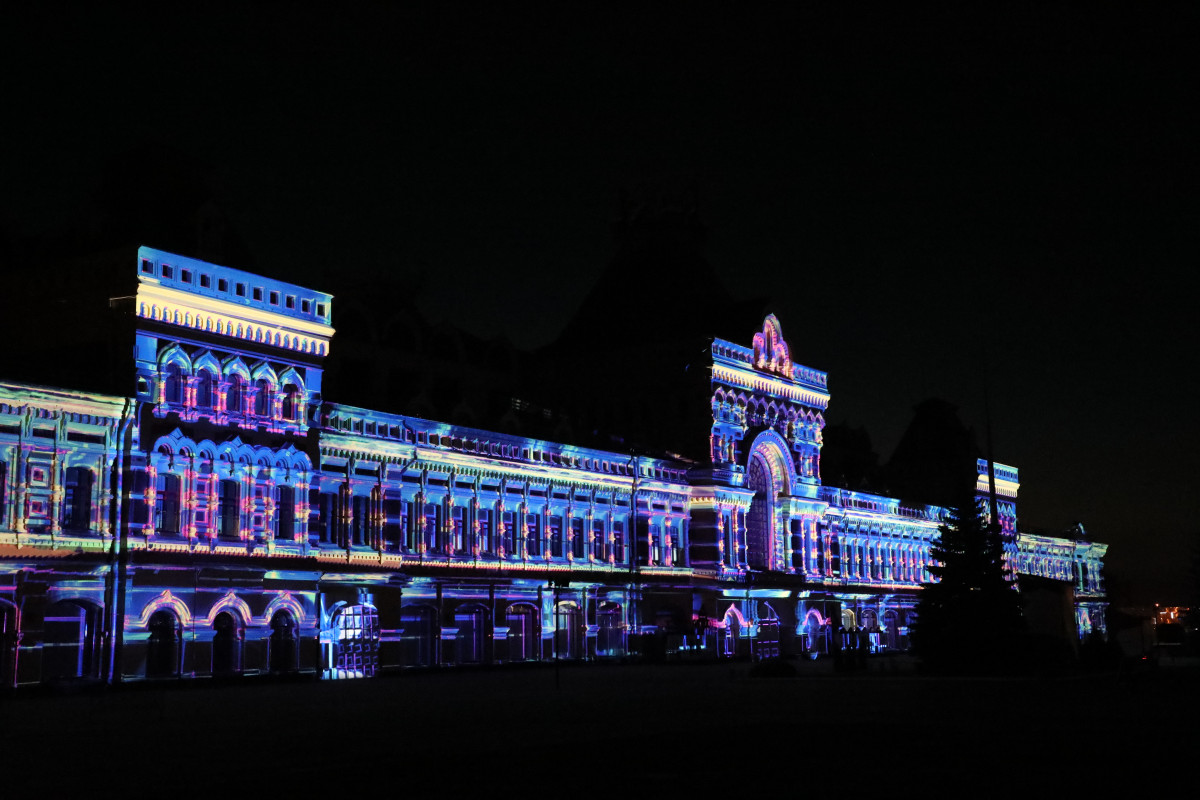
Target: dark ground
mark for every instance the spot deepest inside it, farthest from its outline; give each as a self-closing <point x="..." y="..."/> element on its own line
<point x="609" y="730"/>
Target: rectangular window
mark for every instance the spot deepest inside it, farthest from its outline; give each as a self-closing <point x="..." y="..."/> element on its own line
<point x="358" y="510"/>
<point x="229" y="509"/>
<point x="166" y="505"/>
<point x="240" y="289"/>
<point x="222" y="285"/>
<point x="321" y="310"/>
<point x="431" y="533"/>
<point x="274" y="298"/>
<point x="286" y="513"/>
<point x="185" y="275"/>
<point x="509" y="541"/>
<point x="618" y="542"/>
<point x="485" y="531"/>
<point x="290" y="302"/>
<point x="599" y="548"/>
<point x="167" y="271"/>
<point x="258" y="293"/>
<point x="535" y="535"/>
<point x="578" y="539"/>
<point x="328" y="521"/>
<point x="393" y="521"/>
<point x="205" y="281"/>
<point x="147" y="267"/>
<point x="77" y="499"/>
<point x="556" y="536"/>
<point x="306" y="306"/>
<point x="456" y="521"/>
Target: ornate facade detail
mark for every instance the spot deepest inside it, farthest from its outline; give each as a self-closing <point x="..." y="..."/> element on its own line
<point x="247" y="524"/>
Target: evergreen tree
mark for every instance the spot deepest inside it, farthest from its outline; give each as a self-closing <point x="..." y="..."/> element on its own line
<point x="972" y="611"/>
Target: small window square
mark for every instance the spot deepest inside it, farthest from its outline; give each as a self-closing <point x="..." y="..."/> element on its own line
<point x="147" y="266"/>
<point x="222" y="285"/>
<point x="205" y="281"/>
<point x="167" y="271"/>
<point x="321" y="310"/>
<point x="241" y="290"/>
<point x="306" y="306"/>
<point x="258" y="293"/>
<point x="290" y="302"/>
<point x="185" y="275"/>
<point x="274" y="298"/>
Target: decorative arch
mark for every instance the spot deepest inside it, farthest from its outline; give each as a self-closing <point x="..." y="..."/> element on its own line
<point x="208" y="361"/>
<point x="174" y="443"/>
<point x="263" y="370"/>
<point x="284" y="602"/>
<point x="235" y="366"/>
<point x="290" y="375"/>
<point x="771" y="352"/>
<point x="735" y="611"/>
<point x="814" y="615"/>
<point x="232" y="603"/>
<point x="177" y="356"/>
<point x="770" y="473"/>
<point x="167" y="601"/>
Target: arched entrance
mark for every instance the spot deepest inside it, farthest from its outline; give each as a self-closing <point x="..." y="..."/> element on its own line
<point x="8" y="644"/>
<point x="524" y="633"/>
<point x="766" y="642"/>
<point x="226" y="645"/>
<point x="282" y="645"/>
<point x="568" y="640"/>
<point x="472" y="630"/>
<point x="730" y="634"/>
<point x="891" y="630"/>
<point x="162" y="649"/>
<point x="419" y="637"/>
<point x="769" y="471"/>
<point x="609" y="639"/>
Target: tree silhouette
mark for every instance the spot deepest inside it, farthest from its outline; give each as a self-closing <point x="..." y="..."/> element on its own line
<point x="972" y="611"/>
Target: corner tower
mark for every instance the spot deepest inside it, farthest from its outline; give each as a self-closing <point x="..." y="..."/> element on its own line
<point x="228" y="369"/>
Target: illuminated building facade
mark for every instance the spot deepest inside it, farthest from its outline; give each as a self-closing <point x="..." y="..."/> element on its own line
<point x="225" y="519"/>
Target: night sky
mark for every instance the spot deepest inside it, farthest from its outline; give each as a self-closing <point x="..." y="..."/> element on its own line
<point x="932" y="204"/>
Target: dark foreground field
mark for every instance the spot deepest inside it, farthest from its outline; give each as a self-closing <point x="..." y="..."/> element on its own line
<point x="608" y="730"/>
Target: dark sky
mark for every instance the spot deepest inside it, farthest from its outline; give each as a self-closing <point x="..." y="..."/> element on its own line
<point x="928" y="201"/>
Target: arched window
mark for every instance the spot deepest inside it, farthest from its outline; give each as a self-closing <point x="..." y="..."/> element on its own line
<point x="204" y="389"/>
<point x="262" y="397"/>
<point x="162" y="649"/>
<point x="234" y="398"/>
<point x="282" y="645"/>
<point x="524" y="634"/>
<point x="173" y="380"/>
<point x="77" y="499"/>
<point x="226" y="645"/>
<point x="291" y="403"/>
<point x="70" y="641"/>
<point x="356" y="646"/>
